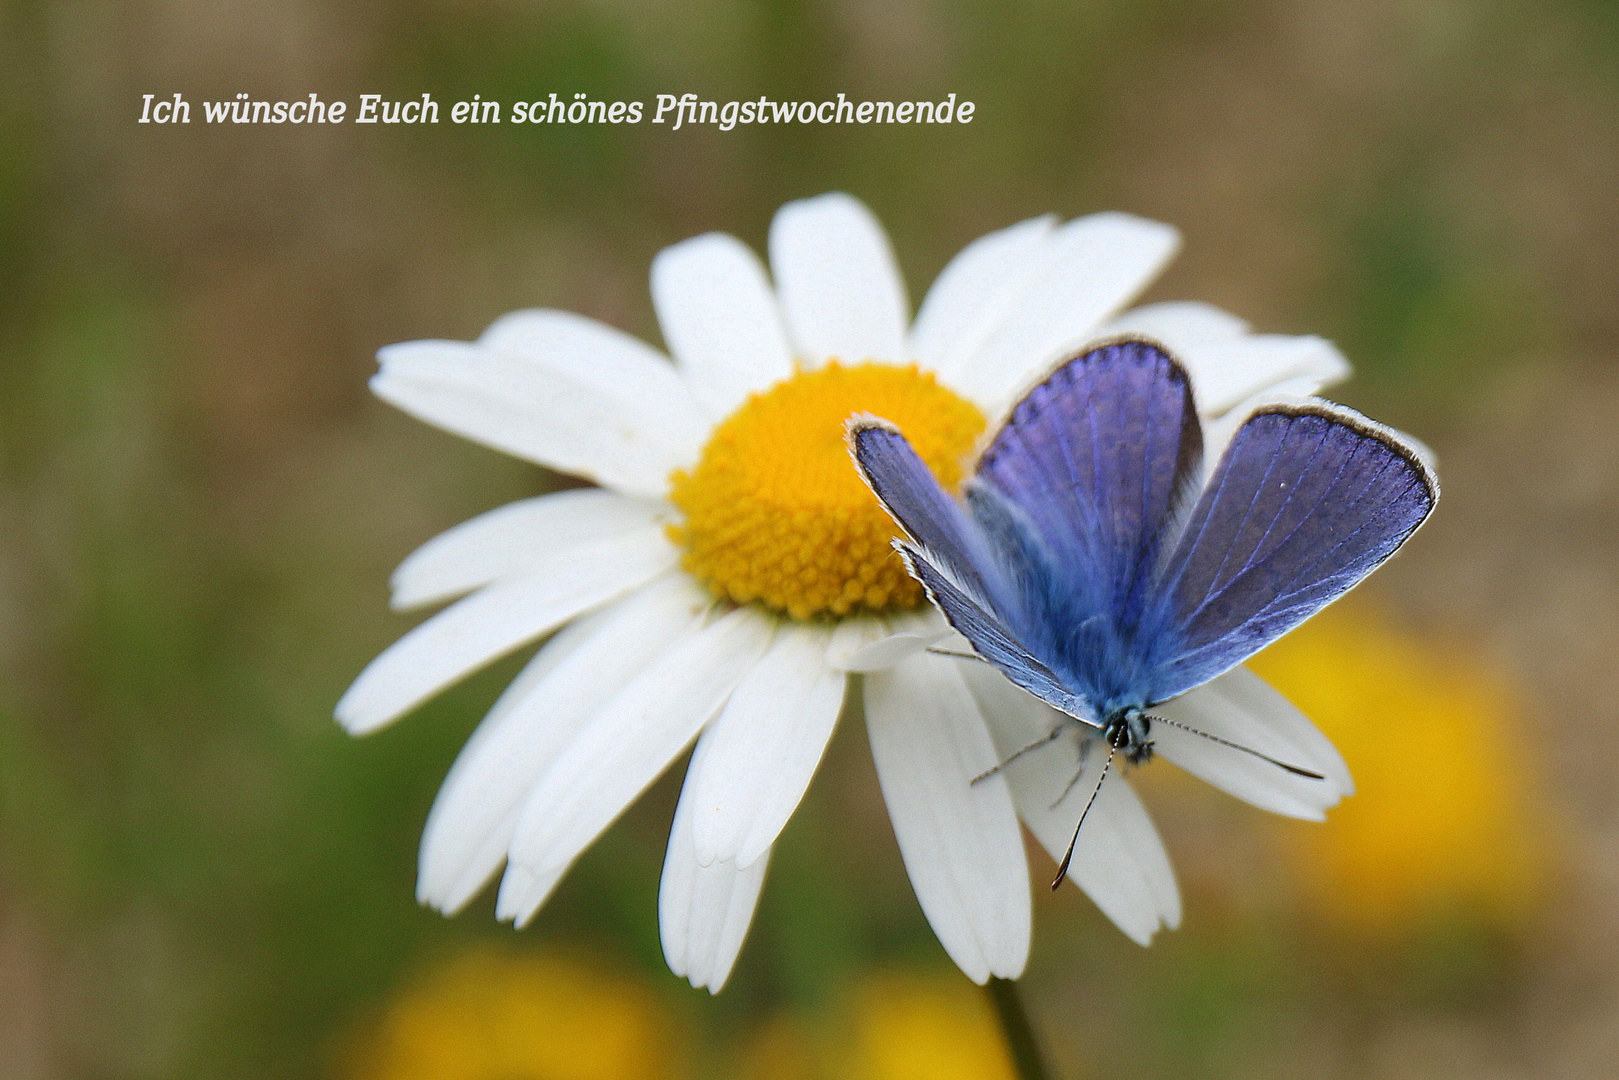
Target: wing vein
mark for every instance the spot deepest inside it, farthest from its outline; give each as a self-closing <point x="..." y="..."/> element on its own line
<point x="1219" y="592"/>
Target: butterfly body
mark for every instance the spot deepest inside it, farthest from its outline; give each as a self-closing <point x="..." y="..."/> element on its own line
<point x="1094" y="655"/>
<point x="1100" y="568"/>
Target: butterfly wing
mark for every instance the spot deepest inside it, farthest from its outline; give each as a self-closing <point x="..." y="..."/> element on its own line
<point x="1096" y="460"/>
<point x="912" y="496"/>
<point x="1308" y="499"/>
<point x="993" y="641"/>
<point x="950" y="556"/>
<point x="1069" y="506"/>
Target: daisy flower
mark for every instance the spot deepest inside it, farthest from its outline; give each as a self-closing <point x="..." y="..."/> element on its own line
<point x="731" y="572"/>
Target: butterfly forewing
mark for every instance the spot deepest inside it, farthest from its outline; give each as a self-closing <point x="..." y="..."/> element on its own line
<point x="993" y="641"/>
<point x="1306" y="501"/>
<point x="912" y="496"/>
<point x="951" y="557"/>
<point x="1097" y="458"/>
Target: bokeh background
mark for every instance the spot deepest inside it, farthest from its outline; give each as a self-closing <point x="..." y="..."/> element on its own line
<point x="200" y="876"/>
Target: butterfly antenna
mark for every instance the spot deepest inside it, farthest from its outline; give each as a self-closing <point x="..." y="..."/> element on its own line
<point x="955" y="654"/>
<point x="1037" y="744"/>
<point x="1068" y="856"/>
<point x="1294" y="769"/>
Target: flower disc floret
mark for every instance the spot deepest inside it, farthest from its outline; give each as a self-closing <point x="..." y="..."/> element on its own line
<point x="774" y="510"/>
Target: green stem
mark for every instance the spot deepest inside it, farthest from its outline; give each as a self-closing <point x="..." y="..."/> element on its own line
<point x="1026" y="1056"/>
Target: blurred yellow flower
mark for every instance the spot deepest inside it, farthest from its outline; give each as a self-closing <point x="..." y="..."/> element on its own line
<point x="1444" y="822"/>
<point x="488" y="1016"/>
<point x="899" y="1026"/>
<point x="910" y="1028"/>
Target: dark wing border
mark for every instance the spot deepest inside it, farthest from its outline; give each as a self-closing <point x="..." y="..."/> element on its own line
<point x="1189" y="663"/>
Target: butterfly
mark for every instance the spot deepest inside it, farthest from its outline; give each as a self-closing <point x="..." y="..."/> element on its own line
<point x="1100" y="567"/>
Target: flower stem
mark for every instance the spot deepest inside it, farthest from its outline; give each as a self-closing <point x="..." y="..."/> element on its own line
<point x="1026" y="1057"/>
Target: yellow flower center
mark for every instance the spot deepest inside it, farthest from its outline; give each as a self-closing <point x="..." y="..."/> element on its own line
<point x="775" y="512"/>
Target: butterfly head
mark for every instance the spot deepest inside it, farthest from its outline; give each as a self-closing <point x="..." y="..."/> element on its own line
<point x="1129" y="732"/>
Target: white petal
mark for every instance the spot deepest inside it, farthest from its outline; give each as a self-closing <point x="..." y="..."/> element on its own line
<point x="466" y="836"/>
<point x="866" y="643"/>
<point x="524" y="890"/>
<point x="955" y="644"/>
<point x="557" y="389"/>
<point x="514" y="539"/>
<point x="473" y="818"/>
<point x="1177" y="324"/>
<point x="1218" y="430"/>
<point x="840" y="290"/>
<point x="637" y="379"/>
<point x="1128" y="842"/>
<point x="1226" y="372"/>
<point x="894" y="648"/>
<point x="632" y="739"/>
<point x="1092" y="266"/>
<point x="1119" y="860"/>
<point x="851" y="635"/>
<point x="704" y="910"/>
<point x="889" y="651"/>
<point x="720" y="320"/>
<point x="758" y="757"/>
<point x="973" y="293"/>
<point x="1241" y="707"/>
<point x="472" y="632"/>
<point x="1228" y="364"/>
<point x="960" y="840"/>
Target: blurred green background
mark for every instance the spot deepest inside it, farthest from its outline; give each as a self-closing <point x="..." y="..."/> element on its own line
<point x="201" y="876"/>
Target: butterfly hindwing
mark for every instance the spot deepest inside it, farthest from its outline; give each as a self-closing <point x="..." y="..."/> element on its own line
<point x="992" y="640"/>
<point x="951" y="557"/>
<point x="1097" y="458"/>
<point x="912" y="496"/>
<point x="1307" y="500"/>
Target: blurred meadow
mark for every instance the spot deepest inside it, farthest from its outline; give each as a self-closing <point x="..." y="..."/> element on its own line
<point x="200" y="504"/>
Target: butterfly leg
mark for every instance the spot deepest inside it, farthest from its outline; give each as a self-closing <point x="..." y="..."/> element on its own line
<point x="1037" y="744"/>
<point x="1069" y="787"/>
<point x="953" y="654"/>
<point x="1084" y="758"/>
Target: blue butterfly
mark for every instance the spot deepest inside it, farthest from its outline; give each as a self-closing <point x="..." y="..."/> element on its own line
<point x="1094" y="566"/>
